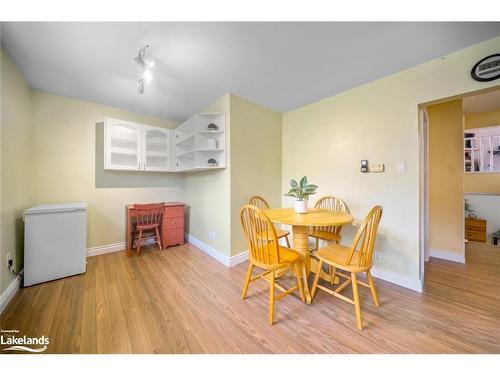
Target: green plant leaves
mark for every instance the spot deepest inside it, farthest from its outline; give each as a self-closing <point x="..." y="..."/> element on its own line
<point x="301" y="190"/>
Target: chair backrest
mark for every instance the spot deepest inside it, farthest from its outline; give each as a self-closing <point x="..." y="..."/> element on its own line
<point x="260" y="235"/>
<point x="331" y="203"/>
<point x="148" y="214"/>
<point x="364" y="241"/>
<point x="259" y="202"/>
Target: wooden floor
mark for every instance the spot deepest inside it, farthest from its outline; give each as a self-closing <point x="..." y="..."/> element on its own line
<point x="180" y="300"/>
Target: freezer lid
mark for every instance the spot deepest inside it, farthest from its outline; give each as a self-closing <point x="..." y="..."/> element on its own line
<point x="53" y="208"/>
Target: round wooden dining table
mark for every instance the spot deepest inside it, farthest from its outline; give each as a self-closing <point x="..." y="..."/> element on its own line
<point x="315" y="217"/>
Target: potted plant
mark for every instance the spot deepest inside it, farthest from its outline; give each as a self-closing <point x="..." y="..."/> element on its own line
<point x="469" y="211"/>
<point x="301" y="192"/>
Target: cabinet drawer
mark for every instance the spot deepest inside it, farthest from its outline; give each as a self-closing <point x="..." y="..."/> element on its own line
<point x="173" y="237"/>
<point x="475" y="223"/>
<point x="174" y="211"/>
<point x="475" y="236"/>
<point x="173" y="223"/>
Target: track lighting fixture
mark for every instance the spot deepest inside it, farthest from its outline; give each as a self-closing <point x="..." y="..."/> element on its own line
<point x="146" y="64"/>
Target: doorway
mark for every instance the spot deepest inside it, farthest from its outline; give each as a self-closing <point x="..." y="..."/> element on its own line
<point x="460" y="169"/>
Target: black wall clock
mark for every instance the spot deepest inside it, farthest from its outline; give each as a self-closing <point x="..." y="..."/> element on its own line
<point x="487" y="69"/>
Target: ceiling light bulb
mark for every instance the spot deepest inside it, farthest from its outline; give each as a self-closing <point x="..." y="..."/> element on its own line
<point x="151" y="63"/>
<point x="148" y="76"/>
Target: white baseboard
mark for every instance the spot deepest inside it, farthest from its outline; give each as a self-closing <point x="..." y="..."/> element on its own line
<point x="9" y="293"/>
<point x="228" y="261"/>
<point x="398" y="279"/>
<point x="214" y="253"/>
<point x="237" y="259"/>
<point x="111" y="248"/>
<point x="448" y="255"/>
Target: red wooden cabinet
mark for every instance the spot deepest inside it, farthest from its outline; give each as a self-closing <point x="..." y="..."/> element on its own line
<point x="173" y="224"/>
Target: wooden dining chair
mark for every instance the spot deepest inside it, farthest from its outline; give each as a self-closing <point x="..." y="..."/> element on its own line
<point x="263" y="205"/>
<point x="330" y="203"/>
<point x="148" y="219"/>
<point x="356" y="259"/>
<point x="266" y="254"/>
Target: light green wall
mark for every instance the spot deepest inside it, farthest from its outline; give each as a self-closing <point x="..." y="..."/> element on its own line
<point x="208" y="194"/>
<point x="377" y="121"/>
<point x="255" y="160"/>
<point x="64" y="135"/>
<point x="15" y="169"/>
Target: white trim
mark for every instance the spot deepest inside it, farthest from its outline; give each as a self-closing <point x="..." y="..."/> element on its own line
<point x="448" y="255"/>
<point x="239" y="258"/>
<point x="214" y="253"/>
<point x="228" y="261"/>
<point x="9" y="293"/>
<point x="111" y="248"/>
<point x="398" y="279"/>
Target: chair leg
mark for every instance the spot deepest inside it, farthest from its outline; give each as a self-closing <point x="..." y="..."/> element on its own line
<point x="287" y="241"/>
<point x="158" y="238"/>
<point x="247" y="281"/>
<point x="271" y="299"/>
<point x="316" y="278"/>
<point x="138" y="245"/>
<point x="357" y="305"/>
<point x="296" y="269"/>
<point x="372" y="288"/>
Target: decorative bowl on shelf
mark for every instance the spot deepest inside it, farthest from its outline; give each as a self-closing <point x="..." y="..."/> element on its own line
<point x="212" y="162"/>
<point x="212" y="127"/>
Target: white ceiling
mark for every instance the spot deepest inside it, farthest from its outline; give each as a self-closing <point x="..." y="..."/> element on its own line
<point x="486" y="102"/>
<point x="279" y="65"/>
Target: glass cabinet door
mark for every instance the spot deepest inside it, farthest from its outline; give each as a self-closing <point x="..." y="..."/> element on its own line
<point x="122" y="145"/>
<point x="156" y="148"/>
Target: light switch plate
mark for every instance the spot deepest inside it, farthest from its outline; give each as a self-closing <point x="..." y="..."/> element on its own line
<point x="401" y="166"/>
<point x="377" y="168"/>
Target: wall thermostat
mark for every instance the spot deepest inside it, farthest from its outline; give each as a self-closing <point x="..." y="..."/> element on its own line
<point x="364" y="166"/>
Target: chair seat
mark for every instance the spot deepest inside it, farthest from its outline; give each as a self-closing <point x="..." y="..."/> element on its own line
<point x="287" y="255"/>
<point x="337" y="255"/>
<point x="281" y="233"/>
<point x="324" y="235"/>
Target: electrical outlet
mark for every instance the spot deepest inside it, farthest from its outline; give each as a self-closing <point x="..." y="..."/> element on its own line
<point x="9" y="258"/>
<point x="211" y="234"/>
<point x="378" y="256"/>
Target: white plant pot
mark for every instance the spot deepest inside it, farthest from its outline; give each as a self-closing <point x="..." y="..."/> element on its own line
<point x="301" y="207"/>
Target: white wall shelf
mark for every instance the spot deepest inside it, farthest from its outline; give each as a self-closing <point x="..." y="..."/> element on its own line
<point x="196" y="144"/>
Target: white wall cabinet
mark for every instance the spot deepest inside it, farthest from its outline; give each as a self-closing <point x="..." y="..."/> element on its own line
<point x="198" y="144"/>
<point x="156" y="148"/>
<point x="132" y="146"/>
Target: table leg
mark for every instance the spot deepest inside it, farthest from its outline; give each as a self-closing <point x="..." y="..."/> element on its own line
<point x="301" y="245"/>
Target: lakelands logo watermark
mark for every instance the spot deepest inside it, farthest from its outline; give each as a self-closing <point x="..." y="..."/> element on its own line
<point x="23" y="343"/>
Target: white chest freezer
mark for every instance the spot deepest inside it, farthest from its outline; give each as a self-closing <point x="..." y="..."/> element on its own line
<point x="55" y="241"/>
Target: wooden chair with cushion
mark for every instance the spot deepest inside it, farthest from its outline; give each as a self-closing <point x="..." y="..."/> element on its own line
<point x="266" y="254"/>
<point x="331" y="203"/>
<point x="263" y="205"/>
<point x="148" y="219"/>
<point x="356" y="259"/>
